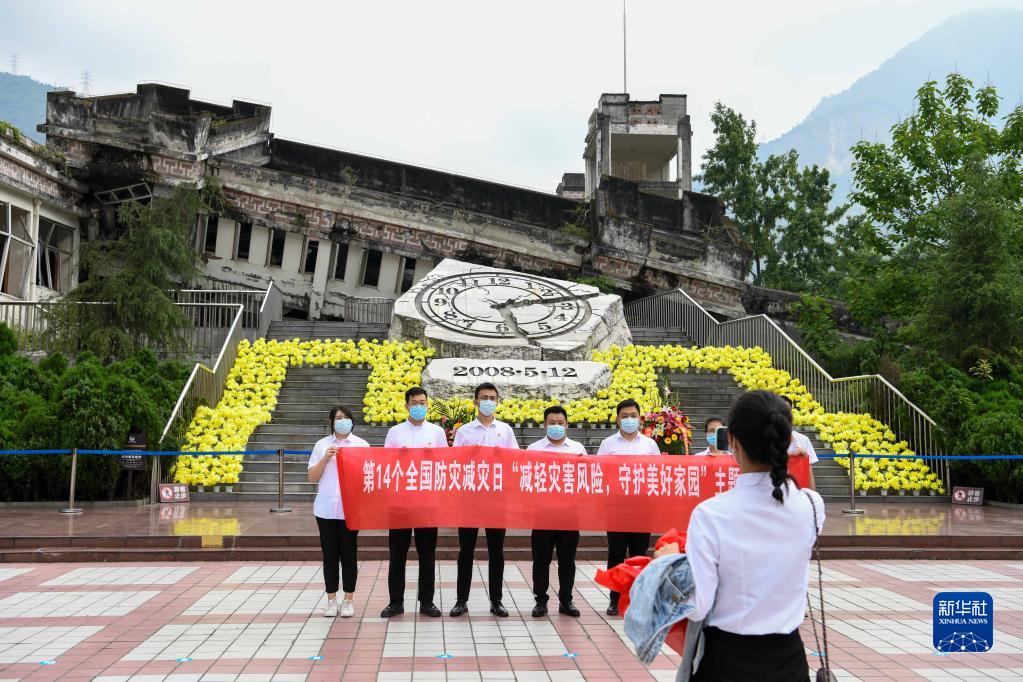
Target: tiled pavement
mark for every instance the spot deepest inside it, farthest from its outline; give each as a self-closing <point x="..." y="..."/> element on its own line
<point x="252" y="621"/>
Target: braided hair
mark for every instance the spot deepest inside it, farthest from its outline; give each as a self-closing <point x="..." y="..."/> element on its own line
<point x="761" y="421"/>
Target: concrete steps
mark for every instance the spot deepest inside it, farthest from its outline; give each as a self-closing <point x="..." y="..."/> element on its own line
<point x="660" y="336"/>
<point x="285" y="330"/>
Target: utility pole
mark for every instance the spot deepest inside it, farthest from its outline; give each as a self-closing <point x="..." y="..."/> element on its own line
<point x="625" y="63"/>
<point x="86" y="82"/>
<point x="14" y="63"/>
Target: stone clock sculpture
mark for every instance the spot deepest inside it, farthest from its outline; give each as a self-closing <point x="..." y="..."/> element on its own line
<point x="472" y="311"/>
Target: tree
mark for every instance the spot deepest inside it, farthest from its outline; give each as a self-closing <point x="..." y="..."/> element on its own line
<point x="948" y="192"/>
<point x="932" y="155"/>
<point x="972" y="287"/>
<point x="783" y="212"/>
<point x="125" y="303"/>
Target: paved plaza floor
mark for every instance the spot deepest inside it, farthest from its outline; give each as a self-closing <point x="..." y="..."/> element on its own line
<point x="261" y="621"/>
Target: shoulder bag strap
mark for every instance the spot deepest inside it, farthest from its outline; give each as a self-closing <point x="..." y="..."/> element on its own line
<point x="825" y="672"/>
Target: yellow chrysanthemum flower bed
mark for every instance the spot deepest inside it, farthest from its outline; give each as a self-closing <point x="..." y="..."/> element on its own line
<point x="250" y="396"/>
<point x="259" y="371"/>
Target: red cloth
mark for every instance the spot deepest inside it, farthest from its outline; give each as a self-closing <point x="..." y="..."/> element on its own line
<point x="484" y="487"/>
<point x="621" y="577"/>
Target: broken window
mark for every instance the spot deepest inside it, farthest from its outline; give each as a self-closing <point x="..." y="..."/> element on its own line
<point x="212" y="223"/>
<point x="408" y="274"/>
<point x="244" y="239"/>
<point x="15" y="250"/>
<point x="371" y="261"/>
<point x="341" y="261"/>
<point x="276" y="248"/>
<point x="56" y="243"/>
<point x="312" y="247"/>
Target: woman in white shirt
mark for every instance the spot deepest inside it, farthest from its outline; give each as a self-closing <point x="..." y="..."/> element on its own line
<point x="749" y="551"/>
<point x="338" y="542"/>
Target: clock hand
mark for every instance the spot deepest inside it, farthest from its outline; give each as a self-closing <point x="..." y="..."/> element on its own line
<point x="523" y="302"/>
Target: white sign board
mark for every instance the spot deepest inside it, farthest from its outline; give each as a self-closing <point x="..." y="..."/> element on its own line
<point x="457" y="377"/>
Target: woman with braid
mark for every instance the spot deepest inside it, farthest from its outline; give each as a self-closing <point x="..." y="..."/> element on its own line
<point x="749" y="551"/>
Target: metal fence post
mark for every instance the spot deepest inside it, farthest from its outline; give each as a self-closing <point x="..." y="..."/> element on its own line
<point x="280" y="509"/>
<point x="852" y="487"/>
<point x="71" y="509"/>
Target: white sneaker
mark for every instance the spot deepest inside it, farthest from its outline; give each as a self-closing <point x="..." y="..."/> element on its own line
<point x="331" y="610"/>
<point x="347" y="608"/>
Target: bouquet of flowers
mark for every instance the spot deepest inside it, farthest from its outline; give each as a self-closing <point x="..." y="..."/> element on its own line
<point x="670" y="428"/>
<point x="451" y="414"/>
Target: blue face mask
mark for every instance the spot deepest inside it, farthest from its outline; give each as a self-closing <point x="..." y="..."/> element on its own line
<point x="712" y="439"/>
<point x="630" y="424"/>
<point x="555" y="432"/>
<point x="343" y="426"/>
<point x="417" y="412"/>
<point x="488" y="407"/>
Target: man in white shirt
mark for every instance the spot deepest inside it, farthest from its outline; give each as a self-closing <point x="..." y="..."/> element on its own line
<point x="628" y="441"/>
<point x="485" y="430"/>
<point x="544" y="542"/>
<point x="416" y="432"/>
<point x="338" y="542"/>
<point x="801" y="445"/>
<point x="711" y="430"/>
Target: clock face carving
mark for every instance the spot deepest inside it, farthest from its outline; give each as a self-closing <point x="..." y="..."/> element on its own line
<point x="503" y="305"/>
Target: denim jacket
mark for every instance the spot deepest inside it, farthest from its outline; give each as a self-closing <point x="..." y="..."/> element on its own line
<point x="660" y="598"/>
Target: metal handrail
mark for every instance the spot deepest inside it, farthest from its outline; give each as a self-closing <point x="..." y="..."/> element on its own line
<point x="207" y="383"/>
<point x="864" y="393"/>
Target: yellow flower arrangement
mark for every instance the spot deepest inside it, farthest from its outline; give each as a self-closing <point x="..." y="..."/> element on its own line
<point x="255" y="380"/>
<point x="250" y="396"/>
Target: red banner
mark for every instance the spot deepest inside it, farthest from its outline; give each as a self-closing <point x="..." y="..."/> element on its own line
<point x="482" y="487"/>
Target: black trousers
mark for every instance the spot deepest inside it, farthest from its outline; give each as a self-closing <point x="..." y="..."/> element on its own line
<point x="543" y="544"/>
<point x="495" y="561"/>
<point x="398" y="542"/>
<point x="728" y="657"/>
<point x="340" y="547"/>
<point x="621" y="546"/>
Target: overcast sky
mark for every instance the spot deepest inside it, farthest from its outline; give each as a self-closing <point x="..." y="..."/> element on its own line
<point x="496" y="90"/>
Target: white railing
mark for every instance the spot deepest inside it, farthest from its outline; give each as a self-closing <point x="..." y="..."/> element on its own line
<point x="368" y="310"/>
<point x="206" y="384"/>
<point x="866" y="393"/>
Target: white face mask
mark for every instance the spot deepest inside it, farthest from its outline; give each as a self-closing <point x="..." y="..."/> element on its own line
<point x="343" y="426"/>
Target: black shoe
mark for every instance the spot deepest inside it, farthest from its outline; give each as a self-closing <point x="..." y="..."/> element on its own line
<point x="569" y="609"/>
<point x="460" y="608"/>
<point x="540" y="610"/>
<point x="430" y="610"/>
<point x="612" y="609"/>
<point x="393" y="609"/>
<point x="497" y="608"/>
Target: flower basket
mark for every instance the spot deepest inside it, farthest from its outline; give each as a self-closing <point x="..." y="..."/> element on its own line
<point x="884" y="491"/>
<point x="670" y="428"/>
<point x="916" y="493"/>
<point x="451" y="414"/>
<point x="902" y="493"/>
<point x="216" y="488"/>
<point x="200" y="489"/>
<point x="229" y="488"/>
<point x="863" y="493"/>
<point x="933" y="493"/>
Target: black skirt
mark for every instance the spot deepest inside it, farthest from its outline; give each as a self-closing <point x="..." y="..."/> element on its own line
<point x="728" y="657"/>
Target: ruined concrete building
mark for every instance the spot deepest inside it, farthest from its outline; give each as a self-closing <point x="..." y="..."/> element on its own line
<point x="332" y="228"/>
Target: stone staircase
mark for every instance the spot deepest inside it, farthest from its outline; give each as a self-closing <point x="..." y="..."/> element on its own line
<point x="702" y="396"/>
<point x="285" y="330"/>
<point x="660" y="336"/>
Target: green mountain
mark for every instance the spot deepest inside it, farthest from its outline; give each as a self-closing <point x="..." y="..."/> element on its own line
<point x="23" y="103"/>
<point x="983" y="45"/>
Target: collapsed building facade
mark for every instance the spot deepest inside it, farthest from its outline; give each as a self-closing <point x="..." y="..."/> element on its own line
<point x="334" y="229"/>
